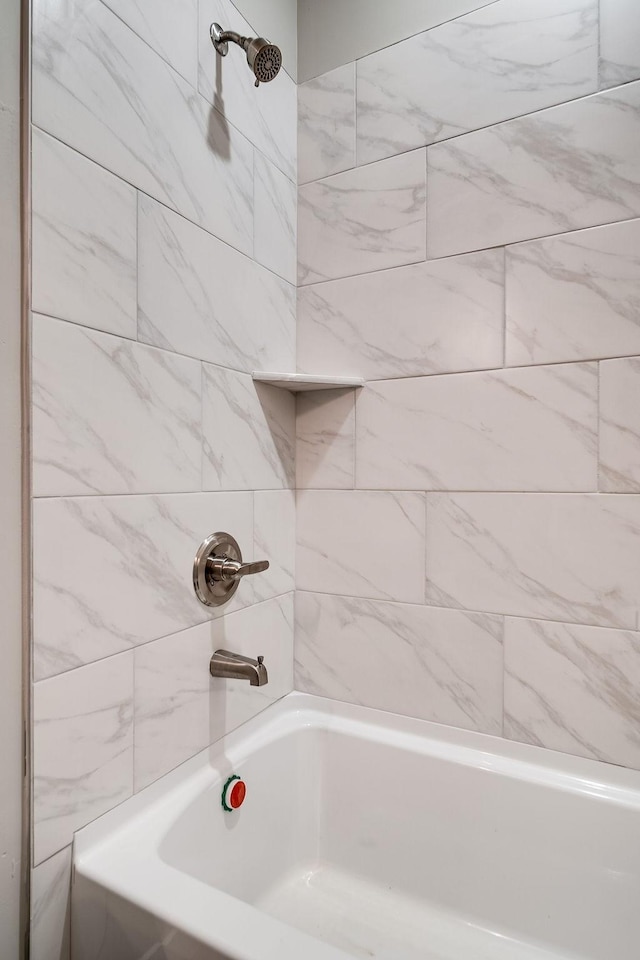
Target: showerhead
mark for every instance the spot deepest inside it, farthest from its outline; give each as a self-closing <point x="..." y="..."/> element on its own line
<point x="264" y="58"/>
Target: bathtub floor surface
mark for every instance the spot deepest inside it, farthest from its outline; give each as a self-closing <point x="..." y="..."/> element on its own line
<point x="371" y="921"/>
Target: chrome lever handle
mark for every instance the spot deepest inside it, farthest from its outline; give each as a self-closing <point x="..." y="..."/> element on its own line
<point x="225" y="569"/>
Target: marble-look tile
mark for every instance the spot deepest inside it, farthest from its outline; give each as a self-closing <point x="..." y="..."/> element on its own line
<point x="51" y="908"/>
<point x="114" y="572"/>
<point x="111" y="415"/>
<point x="363" y="220"/>
<point x="327" y="124"/>
<point x="275" y="207"/>
<point x="198" y="296"/>
<point x="171" y="714"/>
<point x="82" y="749"/>
<point x="619" y="41"/>
<point x="510" y="58"/>
<point x="248" y="433"/>
<point x="274" y="533"/>
<point x="447" y="665"/>
<point x="346" y="539"/>
<point x="323" y="46"/>
<point x="84" y="240"/>
<point x="620" y="426"/>
<point x="574" y="689"/>
<point x="574" y="297"/>
<point x="433" y="317"/>
<point x="530" y="429"/>
<point x="265" y="629"/>
<point x="572" y="166"/>
<point x="325" y="439"/>
<point x="568" y="557"/>
<point x="101" y="89"/>
<point x="267" y="116"/>
<point x="169" y="26"/>
<point x="180" y="709"/>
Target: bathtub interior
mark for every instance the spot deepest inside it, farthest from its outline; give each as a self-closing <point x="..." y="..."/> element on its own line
<point x="396" y="851"/>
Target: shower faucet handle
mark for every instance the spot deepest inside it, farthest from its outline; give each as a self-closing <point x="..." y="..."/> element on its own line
<point x="218" y="569"/>
<point x="225" y="569"/>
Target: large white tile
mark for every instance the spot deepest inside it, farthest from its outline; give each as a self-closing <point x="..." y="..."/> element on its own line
<point x="620" y="426"/>
<point x="447" y="665"/>
<point x="433" y="317"/>
<point x="508" y="59"/>
<point x="51" y="908"/>
<point x="573" y="688"/>
<point x="265" y="629"/>
<point x="111" y="415"/>
<point x="169" y="26"/>
<point x="267" y="116"/>
<point x="171" y="716"/>
<point x="327" y="124"/>
<point x="275" y="208"/>
<point x="84" y="240"/>
<point x="551" y="556"/>
<point x="361" y="544"/>
<point x="114" y="572"/>
<point x="619" y="41"/>
<point x="248" y="433"/>
<point x="362" y="220"/>
<point x="574" y="297"/>
<point x="200" y="297"/>
<point x="325" y="439"/>
<point x="274" y="530"/>
<point x="529" y="429"/>
<point x="82" y="749"/>
<point x="572" y="166"/>
<point x="100" y="88"/>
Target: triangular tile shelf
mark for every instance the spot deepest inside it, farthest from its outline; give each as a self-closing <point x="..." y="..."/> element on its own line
<point x="297" y="382"/>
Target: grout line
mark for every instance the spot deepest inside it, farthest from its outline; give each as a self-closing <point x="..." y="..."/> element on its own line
<point x="202" y="436"/>
<point x="133" y="648"/>
<point x="599" y="47"/>
<point x="466" y="611"/>
<point x="163" y="203"/>
<point x="598" y="425"/>
<point x="504" y="309"/>
<point x="137" y="266"/>
<point x="511" y="367"/>
<point x="238" y="491"/>
<point x="504" y="244"/>
<point x="401" y="40"/>
<point x="145" y="345"/>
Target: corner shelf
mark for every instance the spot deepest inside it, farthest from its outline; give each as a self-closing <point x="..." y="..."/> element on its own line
<point x="297" y="382"/>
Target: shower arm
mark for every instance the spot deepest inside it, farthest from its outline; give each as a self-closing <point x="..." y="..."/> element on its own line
<point x="221" y="39"/>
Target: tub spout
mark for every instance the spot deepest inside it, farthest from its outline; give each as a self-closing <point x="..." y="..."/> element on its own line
<point x="232" y="666"/>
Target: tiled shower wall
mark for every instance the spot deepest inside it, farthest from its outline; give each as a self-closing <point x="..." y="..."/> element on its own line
<point x="163" y="274"/>
<point x="469" y="522"/>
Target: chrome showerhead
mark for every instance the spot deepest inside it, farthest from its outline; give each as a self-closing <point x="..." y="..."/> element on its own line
<point x="264" y="58"/>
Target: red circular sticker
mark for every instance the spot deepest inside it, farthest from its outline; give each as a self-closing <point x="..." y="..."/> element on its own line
<point x="237" y="795"/>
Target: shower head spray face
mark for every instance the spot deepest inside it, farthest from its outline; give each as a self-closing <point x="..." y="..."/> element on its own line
<point x="264" y="58"/>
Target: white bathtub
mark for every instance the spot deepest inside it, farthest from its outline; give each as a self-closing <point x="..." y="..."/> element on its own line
<point x="366" y="835"/>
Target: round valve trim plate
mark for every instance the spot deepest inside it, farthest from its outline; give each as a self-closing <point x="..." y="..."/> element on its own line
<point x="211" y="592"/>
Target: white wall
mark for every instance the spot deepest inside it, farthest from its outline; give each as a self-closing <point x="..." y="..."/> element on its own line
<point x="160" y="220"/>
<point x="333" y="32"/>
<point x="10" y="556"/>
<point x="489" y="297"/>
